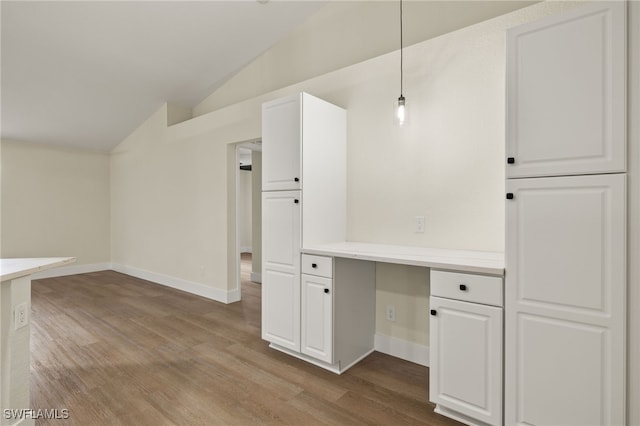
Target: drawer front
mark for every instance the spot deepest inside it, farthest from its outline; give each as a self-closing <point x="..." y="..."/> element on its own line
<point x="467" y="287"/>
<point x="321" y="266"/>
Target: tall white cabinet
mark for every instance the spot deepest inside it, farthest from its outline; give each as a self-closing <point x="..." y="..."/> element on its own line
<point x="305" y="302"/>
<point x="281" y="268"/>
<point x="304" y="141"/>
<point x="565" y="279"/>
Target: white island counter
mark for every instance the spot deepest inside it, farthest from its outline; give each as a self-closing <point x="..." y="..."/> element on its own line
<point x="20" y="267"/>
<point x="15" y="310"/>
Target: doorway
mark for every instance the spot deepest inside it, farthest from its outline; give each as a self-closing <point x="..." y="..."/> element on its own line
<point x="248" y="212"/>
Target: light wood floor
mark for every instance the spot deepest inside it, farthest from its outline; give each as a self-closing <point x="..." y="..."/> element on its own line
<point x="117" y="350"/>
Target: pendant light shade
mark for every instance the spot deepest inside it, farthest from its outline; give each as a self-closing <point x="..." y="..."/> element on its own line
<point x="401" y="113"/>
<point x="400" y="116"/>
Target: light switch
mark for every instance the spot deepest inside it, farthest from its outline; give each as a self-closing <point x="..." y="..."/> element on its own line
<point x="419" y="224"/>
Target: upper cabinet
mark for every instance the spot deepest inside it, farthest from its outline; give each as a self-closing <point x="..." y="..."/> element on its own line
<point x="304" y="141"/>
<point x="566" y="99"/>
<point x="281" y="131"/>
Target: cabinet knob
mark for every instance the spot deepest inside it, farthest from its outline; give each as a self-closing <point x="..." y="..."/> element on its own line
<point x="296" y="201"/>
<point x="511" y="160"/>
<point x="326" y="290"/>
<point x="509" y="195"/>
<point x="296" y="179"/>
<point x="463" y="287"/>
<point x="314" y="265"/>
<point x="434" y="312"/>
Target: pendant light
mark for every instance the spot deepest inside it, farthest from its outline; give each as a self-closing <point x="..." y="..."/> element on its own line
<point x="401" y="105"/>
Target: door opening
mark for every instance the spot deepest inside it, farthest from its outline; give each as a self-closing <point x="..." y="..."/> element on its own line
<point x="248" y="213"/>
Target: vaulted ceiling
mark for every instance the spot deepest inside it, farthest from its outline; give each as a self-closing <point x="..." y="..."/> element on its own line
<point x="86" y="73"/>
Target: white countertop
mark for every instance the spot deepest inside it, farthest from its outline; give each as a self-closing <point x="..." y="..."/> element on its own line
<point x="20" y="267"/>
<point x="480" y="262"/>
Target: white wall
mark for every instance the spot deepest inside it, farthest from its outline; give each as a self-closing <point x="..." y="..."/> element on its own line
<point x="169" y="207"/>
<point x="447" y="164"/>
<point x="55" y="202"/>
<point x="633" y="180"/>
<point x="361" y="29"/>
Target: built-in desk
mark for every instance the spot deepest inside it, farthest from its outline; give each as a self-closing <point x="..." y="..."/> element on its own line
<point x="477" y="262"/>
<point x="466" y="309"/>
<point x="349" y="268"/>
<point x="327" y="316"/>
<point x="15" y="310"/>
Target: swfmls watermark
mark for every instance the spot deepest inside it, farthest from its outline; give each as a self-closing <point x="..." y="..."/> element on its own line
<point x="28" y="413"/>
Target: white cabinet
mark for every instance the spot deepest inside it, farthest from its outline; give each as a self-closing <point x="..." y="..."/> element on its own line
<point x="337" y="312"/>
<point x="466" y="343"/>
<point x="304" y="146"/>
<point x="317" y="311"/>
<point x="565" y="278"/>
<point x="282" y="132"/>
<point x="566" y="93"/>
<point x="565" y="298"/>
<point x="281" y="268"/>
<point x="317" y="317"/>
<point x="304" y="203"/>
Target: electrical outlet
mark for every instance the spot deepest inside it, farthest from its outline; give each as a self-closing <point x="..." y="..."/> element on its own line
<point x="391" y="313"/>
<point x="419" y="224"/>
<point x="21" y="318"/>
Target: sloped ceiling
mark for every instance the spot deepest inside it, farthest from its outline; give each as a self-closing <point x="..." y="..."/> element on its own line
<point x="85" y="74"/>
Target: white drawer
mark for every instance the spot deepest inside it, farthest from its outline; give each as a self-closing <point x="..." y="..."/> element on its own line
<point x="321" y="266"/>
<point x="468" y="287"/>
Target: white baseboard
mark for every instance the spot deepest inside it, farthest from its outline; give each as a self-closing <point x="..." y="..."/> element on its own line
<point x="402" y="349"/>
<point x="72" y="269"/>
<point x="256" y="277"/>
<point x="212" y="293"/>
<point x="234" y="296"/>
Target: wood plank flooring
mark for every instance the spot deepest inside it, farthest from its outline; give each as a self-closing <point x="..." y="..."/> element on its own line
<point x="117" y="350"/>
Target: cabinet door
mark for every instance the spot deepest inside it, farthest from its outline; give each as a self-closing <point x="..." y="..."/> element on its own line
<point x="281" y="268"/>
<point x="566" y="93"/>
<point x="565" y="301"/>
<point x="317" y="317"/>
<point x="281" y="141"/>
<point x="466" y="358"/>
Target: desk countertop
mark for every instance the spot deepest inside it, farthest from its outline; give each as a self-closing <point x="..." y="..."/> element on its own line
<point x="20" y="267"/>
<point x="480" y="262"/>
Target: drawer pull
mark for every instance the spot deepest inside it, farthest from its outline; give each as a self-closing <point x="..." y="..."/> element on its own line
<point x="296" y="179"/>
<point x="509" y="195"/>
<point x="434" y="312"/>
<point x="326" y="290"/>
<point x="463" y="287"/>
<point x="511" y="160"/>
<point x="296" y="201"/>
<point x="314" y="265"/>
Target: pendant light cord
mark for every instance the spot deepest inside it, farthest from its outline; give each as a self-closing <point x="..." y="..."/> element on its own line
<point x="401" y="55"/>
